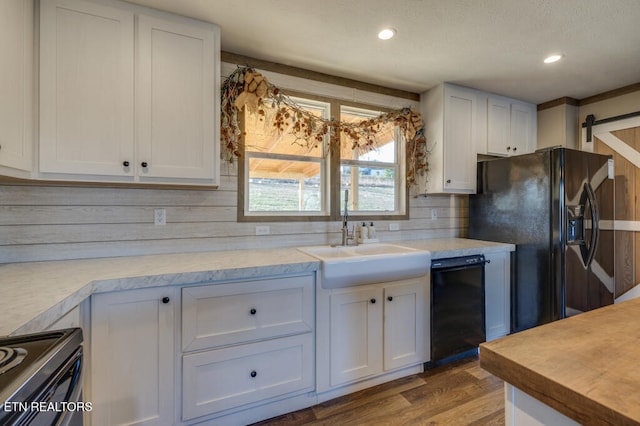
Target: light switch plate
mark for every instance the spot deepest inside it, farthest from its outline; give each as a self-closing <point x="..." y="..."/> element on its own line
<point x="159" y="217"/>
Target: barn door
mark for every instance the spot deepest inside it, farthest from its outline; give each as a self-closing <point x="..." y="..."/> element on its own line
<point x="621" y="139"/>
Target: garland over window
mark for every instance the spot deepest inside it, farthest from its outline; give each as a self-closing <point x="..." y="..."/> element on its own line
<point x="246" y="88"/>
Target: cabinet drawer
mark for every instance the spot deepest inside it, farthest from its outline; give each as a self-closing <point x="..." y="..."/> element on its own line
<point x="225" y="378"/>
<point x="225" y="314"/>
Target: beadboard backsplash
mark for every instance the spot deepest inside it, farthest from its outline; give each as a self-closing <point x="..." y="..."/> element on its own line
<point x="45" y="222"/>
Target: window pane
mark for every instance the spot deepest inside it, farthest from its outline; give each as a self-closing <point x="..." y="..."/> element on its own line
<point x="383" y="141"/>
<point x="263" y="136"/>
<point x="284" y="186"/>
<point x="375" y="188"/>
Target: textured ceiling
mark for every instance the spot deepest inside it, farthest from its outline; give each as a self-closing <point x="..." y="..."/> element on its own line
<point x="492" y="45"/>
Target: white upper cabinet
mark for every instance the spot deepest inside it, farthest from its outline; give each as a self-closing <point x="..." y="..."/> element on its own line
<point x="177" y="99"/>
<point x="451" y="122"/>
<point x="127" y="94"/>
<point x="86" y="88"/>
<point x="461" y="123"/>
<point x="16" y="87"/>
<point x="511" y="126"/>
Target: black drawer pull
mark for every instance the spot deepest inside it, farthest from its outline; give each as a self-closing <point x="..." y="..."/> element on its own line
<point x="144" y="164"/>
<point x="125" y="163"/>
<point x="254" y="373"/>
<point x="253" y="311"/>
<point x="390" y="298"/>
<point x="165" y="300"/>
<point x="373" y="300"/>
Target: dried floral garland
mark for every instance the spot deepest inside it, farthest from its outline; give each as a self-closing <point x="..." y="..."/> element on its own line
<point x="246" y="88"/>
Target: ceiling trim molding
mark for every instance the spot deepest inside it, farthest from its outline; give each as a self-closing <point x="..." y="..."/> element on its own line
<point x="591" y="99"/>
<point x="557" y="102"/>
<point x="611" y="94"/>
<point x="318" y="76"/>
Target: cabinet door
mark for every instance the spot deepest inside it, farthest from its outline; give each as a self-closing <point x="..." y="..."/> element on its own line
<point x="16" y="84"/>
<point x="522" y="128"/>
<point x="132" y="365"/>
<point x="177" y="99"/>
<point x="356" y="334"/>
<point x="406" y="323"/>
<point x="459" y="140"/>
<point x="498" y="126"/>
<point x="497" y="282"/>
<point x="86" y="88"/>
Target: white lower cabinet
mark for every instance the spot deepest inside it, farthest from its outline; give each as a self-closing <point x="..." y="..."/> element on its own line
<point x="375" y="329"/>
<point x="224" y="379"/>
<point x="246" y="347"/>
<point x="497" y="282"/>
<point x="220" y="353"/>
<point x="356" y="334"/>
<point x="132" y="357"/>
<point x="406" y="324"/>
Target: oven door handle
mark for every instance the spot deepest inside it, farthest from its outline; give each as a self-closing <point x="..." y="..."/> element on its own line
<point x="74" y="364"/>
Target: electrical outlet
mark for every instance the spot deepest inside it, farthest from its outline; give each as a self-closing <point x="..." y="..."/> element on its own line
<point x="263" y="230"/>
<point x="159" y="217"/>
<point x="394" y="227"/>
<point x="434" y="214"/>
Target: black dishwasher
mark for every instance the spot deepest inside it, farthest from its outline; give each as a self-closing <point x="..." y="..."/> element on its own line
<point x="457" y="308"/>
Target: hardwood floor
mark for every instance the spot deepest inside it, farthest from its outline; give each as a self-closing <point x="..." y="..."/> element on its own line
<point x="460" y="393"/>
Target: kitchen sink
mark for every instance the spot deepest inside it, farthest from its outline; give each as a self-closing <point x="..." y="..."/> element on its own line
<point x="345" y="266"/>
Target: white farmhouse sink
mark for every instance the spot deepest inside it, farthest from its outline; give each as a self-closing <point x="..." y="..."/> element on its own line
<point x="344" y="266"/>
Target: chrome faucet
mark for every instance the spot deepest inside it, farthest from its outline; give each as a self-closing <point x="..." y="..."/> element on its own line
<point x="346" y="235"/>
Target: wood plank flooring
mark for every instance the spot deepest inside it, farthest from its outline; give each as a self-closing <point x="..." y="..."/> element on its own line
<point x="460" y="393"/>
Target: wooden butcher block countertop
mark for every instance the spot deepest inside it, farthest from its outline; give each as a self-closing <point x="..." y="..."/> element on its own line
<point x="586" y="367"/>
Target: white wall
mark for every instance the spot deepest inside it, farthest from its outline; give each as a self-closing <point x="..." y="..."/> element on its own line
<point x="610" y="107"/>
<point x="65" y="222"/>
<point x="557" y="126"/>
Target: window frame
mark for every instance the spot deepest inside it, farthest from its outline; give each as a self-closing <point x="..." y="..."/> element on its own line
<point x="331" y="192"/>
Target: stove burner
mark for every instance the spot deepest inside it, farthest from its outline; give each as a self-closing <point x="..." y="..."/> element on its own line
<point x="10" y="357"/>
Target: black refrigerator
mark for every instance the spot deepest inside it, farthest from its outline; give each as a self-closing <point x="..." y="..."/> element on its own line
<point x="556" y="206"/>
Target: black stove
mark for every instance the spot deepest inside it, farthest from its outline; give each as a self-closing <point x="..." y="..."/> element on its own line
<point x="40" y="378"/>
<point x="11" y="357"/>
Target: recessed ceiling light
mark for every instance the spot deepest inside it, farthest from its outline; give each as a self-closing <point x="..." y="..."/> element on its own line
<point x="386" y="34"/>
<point x="553" y="58"/>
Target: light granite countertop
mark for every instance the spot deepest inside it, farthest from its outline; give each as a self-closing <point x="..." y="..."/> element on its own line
<point x="36" y="294"/>
<point x="441" y="248"/>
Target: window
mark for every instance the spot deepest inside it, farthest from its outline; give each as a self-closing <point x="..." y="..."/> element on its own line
<point x="374" y="177"/>
<point x="285" y="178"/>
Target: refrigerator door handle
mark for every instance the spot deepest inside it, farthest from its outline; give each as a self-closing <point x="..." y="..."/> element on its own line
<point x="595" y="225"/>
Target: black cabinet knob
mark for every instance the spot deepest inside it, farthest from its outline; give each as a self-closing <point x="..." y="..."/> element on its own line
<point x="144" y="164"/>
<point x="125" y="163"/>
<point x="373" y="300"/>
<point x="448" y="180"/>
<point x="508" y="148"/>
<point x="390" y="298"/>
<point x="166" y="299"/>
<point x="254" y="373"/>
<point x="515" y="149"/>
<point x="253" y="311"/>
